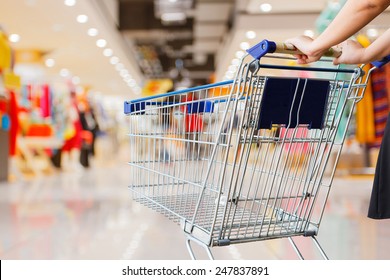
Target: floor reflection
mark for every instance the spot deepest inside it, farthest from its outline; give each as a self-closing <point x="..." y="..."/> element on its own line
<point x="90" y="215"/>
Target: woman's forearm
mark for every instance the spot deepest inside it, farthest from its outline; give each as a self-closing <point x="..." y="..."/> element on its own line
<point x="352" y="17"/>
<point x="378" y="49"/>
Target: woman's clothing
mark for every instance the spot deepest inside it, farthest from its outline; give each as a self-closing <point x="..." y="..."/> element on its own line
<point x="379" y="207"/>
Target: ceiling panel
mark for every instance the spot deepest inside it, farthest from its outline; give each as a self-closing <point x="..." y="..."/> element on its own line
<point x="204" y="46"/>
<point x="207" y="30"/>
<point x="283" y="6"/>
<point x="213" y="11"/>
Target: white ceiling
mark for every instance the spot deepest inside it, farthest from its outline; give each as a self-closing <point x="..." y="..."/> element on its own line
<point x="50" y="26"/>
<point x="212" y="11"/>
<point x="283" y="6"/>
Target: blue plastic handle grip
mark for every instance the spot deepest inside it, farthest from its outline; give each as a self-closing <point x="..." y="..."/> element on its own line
<point x="136" y="108"/>
<point x="262" y="48"/>
<point x="200" y="107"/>
<point x="381" y="62"/>
<point x="139" y="107"/>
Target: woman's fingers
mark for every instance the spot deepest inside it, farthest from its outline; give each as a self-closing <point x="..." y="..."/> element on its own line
<point x="303" y="44"/>
<point x="351" y="53"/>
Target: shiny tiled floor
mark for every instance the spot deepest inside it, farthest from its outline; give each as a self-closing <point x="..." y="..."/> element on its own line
<point x="89" y="215"/>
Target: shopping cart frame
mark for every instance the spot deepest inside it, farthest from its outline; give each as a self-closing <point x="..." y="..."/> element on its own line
<point x="354" y="92"/>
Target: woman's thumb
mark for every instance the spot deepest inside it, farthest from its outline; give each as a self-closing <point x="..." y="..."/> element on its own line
<point x="336" y="61"/>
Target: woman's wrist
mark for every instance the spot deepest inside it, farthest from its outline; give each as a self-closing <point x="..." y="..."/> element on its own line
<point x="366" y="56"/>
<point x="316" y="49"/>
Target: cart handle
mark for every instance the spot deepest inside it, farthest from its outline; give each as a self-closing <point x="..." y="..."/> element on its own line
<point x="383" y="61"/>
<point x="265" y="46"/>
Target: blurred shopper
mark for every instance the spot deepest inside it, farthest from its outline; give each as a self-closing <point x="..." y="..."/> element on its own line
<point x="72" y="135"/>
<point x="89" y="132"/>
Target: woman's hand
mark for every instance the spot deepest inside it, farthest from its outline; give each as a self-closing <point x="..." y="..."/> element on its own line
<point x="351" y="53"/>
<point x="305" y="45"/>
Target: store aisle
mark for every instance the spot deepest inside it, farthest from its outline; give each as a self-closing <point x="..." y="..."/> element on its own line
<point x="89" y="215"/>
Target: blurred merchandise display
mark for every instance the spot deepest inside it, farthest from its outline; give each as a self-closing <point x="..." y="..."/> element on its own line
<point x="8" y="108"/>
<point x="46" y="122"/>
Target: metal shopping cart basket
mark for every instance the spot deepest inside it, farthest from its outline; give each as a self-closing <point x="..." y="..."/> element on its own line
<point x="248" y="159"/>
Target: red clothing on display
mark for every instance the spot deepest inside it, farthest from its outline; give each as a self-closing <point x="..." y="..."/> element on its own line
<point x="75" y="141"/>
<point x="381" y="103"/>
<point x="45" y="101"/>
<point x="13" y="114"/>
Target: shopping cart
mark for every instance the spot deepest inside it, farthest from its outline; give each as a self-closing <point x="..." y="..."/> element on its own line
<point x="248" y="159"/>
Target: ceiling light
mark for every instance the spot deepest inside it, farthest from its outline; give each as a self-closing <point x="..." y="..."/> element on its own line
<point x="128" y="79"/>
<point x="123" y="73"/>
<point x="108" y="52"/>
<point x="244" y="46"/>
<point x="309" y="33"/>
<point x="372" y="32"/>
<point x="334" y="5"/>
<point x="240" y="54"/>
<point x="132" y="83"/>
<point x="101" y="43"/>
<point x="250" y="34"/>
<point x="229" y="75"/>
<point x="93" y="32"/>
<point x="14" y="38"/>
<point x="64" y="72"/>
<point x="232" y="68"/>
<point x="173" y="16"/>
<point x="266" y="7"/>
<point x="235" y="61"/>
<point x="82" y="18"/>
<point x="114" y="60"/>
<point x="79" y="90"/>
<point x="119" y="66"/>
<point x="70" y="3"/>
<point x="50" y="62"/>
<point x="75" y="80"/>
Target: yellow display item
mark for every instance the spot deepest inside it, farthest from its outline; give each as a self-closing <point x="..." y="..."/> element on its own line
<point x="29" y="56"/>
<point x="153" y="87"/>
<point x="5" y="53"/>
<point x="363" y="40"/>
<point x="11" y="81"/>
<point x="365" y="121"/>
